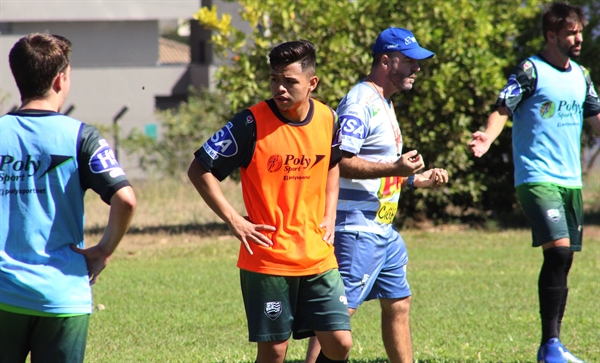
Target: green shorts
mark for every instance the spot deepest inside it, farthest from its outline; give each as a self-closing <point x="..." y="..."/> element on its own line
<point x="49" y="339"/>
<point x="554" y="212"/>
<point x="277" y="306"/>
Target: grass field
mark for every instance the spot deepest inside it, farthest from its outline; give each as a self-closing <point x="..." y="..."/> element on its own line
<point x="171" y="292"/>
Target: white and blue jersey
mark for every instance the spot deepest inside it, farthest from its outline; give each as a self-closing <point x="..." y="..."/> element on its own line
<point x="47" y="161"/>
<point x="548" y="106"/>
<point x="369" y="130"/>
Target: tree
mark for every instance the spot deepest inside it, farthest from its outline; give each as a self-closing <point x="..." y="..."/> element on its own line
<point x="589" y="58"/>
<point x="476" y="44"/>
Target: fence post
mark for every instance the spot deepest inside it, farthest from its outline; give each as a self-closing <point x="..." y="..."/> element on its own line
<point x="116" y="129"/>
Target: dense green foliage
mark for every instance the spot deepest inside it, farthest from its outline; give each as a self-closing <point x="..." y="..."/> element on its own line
<point x="474" y="43"/>
<point x="477" y="44"/>
<point x="589" y="58"/>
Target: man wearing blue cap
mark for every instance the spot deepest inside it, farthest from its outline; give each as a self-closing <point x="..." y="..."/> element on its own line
<point x="371" y="254"/>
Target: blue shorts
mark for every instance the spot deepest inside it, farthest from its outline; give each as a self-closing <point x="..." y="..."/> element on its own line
<point x="372" y="266"/>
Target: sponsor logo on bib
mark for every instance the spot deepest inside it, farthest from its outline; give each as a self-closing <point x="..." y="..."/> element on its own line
<point x="547" y="110"/>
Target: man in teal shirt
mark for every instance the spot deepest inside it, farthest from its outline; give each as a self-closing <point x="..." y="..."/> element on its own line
<point x="47" y="162"/>
<point x="549" y="96"/>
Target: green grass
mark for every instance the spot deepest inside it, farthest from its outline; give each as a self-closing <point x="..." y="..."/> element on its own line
<point x="176" y="298"/>
<point x="475" y="297"/>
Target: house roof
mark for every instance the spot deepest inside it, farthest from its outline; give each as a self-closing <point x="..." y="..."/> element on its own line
<point x="172" y="52"/>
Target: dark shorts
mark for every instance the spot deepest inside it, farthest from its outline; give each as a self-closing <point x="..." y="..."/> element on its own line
<point x="277" y="306"/>
<point x="373" y="266"/>
<point x="49" y="339"/>
<point x="554" y="212"/>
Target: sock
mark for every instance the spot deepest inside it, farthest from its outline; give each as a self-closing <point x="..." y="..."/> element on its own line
<point x="551" y="289"/>
<point x="323" y="359"/>
<point x="563" y="303"/>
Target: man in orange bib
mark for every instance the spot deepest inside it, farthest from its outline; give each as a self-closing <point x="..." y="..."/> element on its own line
<point x="288" y="149"/>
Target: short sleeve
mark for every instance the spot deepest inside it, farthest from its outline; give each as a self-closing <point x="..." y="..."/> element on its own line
<point x="229" y="148"/>
<point x="99" y="170"/>
<point x="354" y="126"/>
<point x="520" y="86"/>
<point x="336" y="153"/>
<point x="591" y="106"/>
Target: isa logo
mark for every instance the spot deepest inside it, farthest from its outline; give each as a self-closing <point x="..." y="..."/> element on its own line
<point x="273" y="309"/>
<point x="512" y="88"/>
<point x="222" y="143"/>
<point x="547" y="109"/>
<point x="353" y="126"/>
<point x="103" y="161"/>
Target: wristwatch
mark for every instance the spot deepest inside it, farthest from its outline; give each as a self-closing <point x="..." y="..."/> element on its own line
<point x="411" y="182"/>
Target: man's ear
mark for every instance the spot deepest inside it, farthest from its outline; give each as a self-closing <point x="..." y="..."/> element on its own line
<point x="57" y="84"/>
<point x="313" y="82"/>
<point x="385" y="60"/>
<point x="551" y="36"/>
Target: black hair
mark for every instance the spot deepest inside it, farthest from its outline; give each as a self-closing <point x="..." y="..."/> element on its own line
<point x="301" y="51"/>
<point x="559" y="15"/>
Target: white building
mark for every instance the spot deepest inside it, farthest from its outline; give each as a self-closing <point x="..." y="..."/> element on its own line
<point x="116" y="67"/>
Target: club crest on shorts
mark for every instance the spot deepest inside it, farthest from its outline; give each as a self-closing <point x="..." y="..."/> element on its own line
<point x="553" y="215"/>
<point x="273" y="309"/>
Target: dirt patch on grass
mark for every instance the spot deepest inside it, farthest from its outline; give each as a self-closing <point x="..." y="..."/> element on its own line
<point x="592" y="231"/>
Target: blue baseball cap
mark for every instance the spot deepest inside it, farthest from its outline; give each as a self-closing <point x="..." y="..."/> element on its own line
<point x="400" y="40"/>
